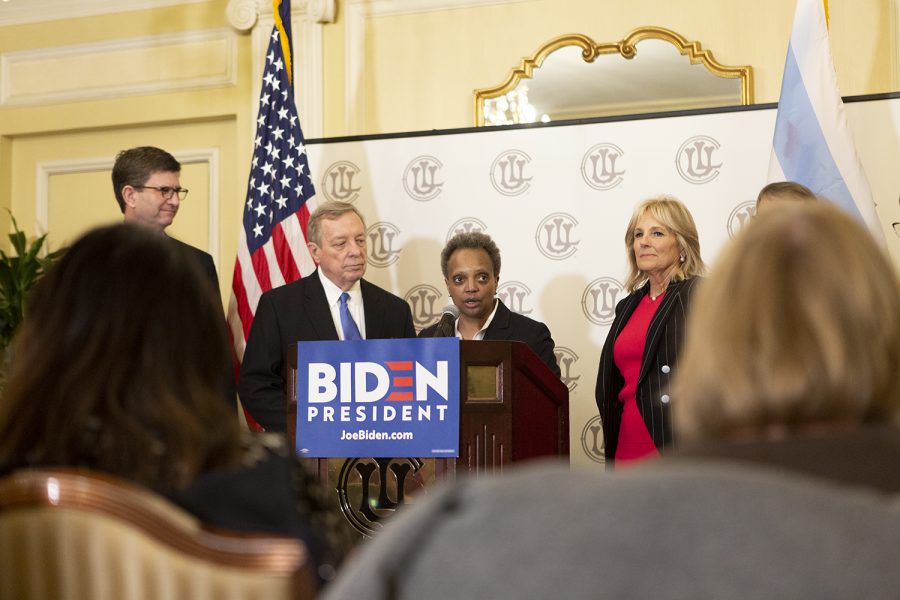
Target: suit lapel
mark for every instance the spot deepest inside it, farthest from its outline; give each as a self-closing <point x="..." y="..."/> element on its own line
<point x="375" y="317"/>
<point x="499" y="327"/>
<point x="657" y="326"/>
<point x="317" y="308"/>
<point x="631" y="303"/>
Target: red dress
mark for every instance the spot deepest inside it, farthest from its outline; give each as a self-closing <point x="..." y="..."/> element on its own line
<point x="628" y="351"/>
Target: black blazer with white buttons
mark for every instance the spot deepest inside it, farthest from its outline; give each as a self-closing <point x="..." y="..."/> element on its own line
<point x="664" y="338"/>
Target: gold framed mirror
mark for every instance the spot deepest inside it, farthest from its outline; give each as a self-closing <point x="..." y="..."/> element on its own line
<point x="564" y="79"/>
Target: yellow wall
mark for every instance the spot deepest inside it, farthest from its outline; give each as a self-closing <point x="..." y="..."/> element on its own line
<point x="73" y="103"/>
<point x="420" y="69"/>
<point x="71" y="143"/>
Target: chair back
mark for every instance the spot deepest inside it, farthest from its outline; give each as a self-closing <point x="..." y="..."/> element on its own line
<point x="78" y="534"/>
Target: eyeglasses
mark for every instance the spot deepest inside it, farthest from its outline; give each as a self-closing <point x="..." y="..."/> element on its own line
<point x="167" y="192"/>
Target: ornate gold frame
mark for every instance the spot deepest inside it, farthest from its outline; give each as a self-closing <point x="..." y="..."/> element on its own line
<point x="590" y="50"/>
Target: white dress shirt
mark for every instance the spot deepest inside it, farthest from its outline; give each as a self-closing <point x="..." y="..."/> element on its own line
<point x="480" y="334"/>
<point x="355" y="304"/>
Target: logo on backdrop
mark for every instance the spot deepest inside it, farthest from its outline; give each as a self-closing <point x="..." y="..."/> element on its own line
<point x="742" y="214"/>
<point x="514" y="294"/>
<point x="378" y="398"/>
<point x="466" y="225"/>
<point x="696" y="159"/>
<point x="599" y="300"/>
<point x="592" y="440"/>
<point x="420" y="178"/>
<point x="371" y="489"/>
<point x="508" y="173"/>
<point x="422" y="301"/>
<point x="554" y="236"/>
<point x="599" y="169"/>
<point x="341" y="181"/>
<point x="382" y="237"/>
<point x="566" y="358"/>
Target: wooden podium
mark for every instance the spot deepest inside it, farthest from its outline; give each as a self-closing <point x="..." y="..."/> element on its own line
<point x="512" y="408"/>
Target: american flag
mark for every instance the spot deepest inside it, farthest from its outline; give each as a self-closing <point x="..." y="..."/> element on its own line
<point x="272" y="246"/>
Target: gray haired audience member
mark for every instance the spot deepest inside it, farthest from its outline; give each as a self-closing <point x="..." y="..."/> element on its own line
<point x="659" y="531"/>
<point x="792" y="355"/>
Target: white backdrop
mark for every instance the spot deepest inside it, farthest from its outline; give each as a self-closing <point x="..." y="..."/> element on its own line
<point x="557" y="201"/>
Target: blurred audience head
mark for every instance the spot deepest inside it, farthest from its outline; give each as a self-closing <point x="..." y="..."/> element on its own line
<point x="118" y="365"/>
<point x="675" y="217"/>
<point x="798" y="328"/>
<point x="782" y="192"/>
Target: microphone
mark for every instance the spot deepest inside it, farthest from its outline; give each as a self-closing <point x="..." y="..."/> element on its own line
<point x="447" y="325"/>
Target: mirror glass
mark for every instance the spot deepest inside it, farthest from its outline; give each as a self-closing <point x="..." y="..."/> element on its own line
<point x="658" y="77"/>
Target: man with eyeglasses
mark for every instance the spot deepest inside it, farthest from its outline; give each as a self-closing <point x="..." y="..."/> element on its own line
<point x="148" y="190"/>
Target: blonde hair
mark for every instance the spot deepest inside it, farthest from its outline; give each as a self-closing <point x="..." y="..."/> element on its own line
<point x="798" y="326"/>
<point x="673" y="214"/>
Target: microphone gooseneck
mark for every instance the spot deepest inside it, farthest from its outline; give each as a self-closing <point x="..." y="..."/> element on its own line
<point x="447" y="325"/>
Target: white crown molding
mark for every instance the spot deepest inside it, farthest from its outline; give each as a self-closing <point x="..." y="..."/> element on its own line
<point x="19" y="12"/>
<point x="208" y="156"/>
<point x="358" y="12"/>
<point x="243" y="14"/>
<point x="9" y="96"/>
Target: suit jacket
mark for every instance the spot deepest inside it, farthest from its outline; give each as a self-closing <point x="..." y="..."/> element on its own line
<point x="203" y="260"/>
<point x="664" y="339"/>
<point x="507" y="325"/>
<point x="296" y="312"/>
<point x="206" y="265"/>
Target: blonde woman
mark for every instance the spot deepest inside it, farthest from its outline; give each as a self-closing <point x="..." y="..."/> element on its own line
<point x="792" y="356"/>
<point x="641" y="349"/>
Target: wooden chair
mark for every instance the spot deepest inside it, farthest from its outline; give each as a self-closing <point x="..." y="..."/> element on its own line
<point x="79" y="534"/>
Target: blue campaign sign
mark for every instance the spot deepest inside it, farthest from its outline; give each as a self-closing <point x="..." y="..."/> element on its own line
<point x="378" y="398"/>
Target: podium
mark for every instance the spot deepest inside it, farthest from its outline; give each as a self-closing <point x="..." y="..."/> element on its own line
<point x="512" y="408"/>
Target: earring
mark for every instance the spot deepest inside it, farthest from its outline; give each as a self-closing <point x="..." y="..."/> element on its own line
<point x="682" y="258"/>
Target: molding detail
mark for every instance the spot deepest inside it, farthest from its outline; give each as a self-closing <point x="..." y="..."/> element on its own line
<point x="322" y="11"/>
<point x="34" y="11"/>
<point x="242" y="14"/>
<point x="590" y="50"/>
<point x="208" y="156"/>
<point x="209" y="58"/>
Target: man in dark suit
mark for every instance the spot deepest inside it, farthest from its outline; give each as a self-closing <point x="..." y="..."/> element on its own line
<point x="147" y="187"/>
<point x="470" y="263"/>
<point x="146" y="181"/>
<point x="333" y="303"/>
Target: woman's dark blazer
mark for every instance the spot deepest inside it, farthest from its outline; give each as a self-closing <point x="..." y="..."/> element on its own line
<point x="507" y="325"/>
<point x="664" y="339"/>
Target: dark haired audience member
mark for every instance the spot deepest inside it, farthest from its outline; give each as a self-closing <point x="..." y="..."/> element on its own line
<point x="118" y="369"/>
